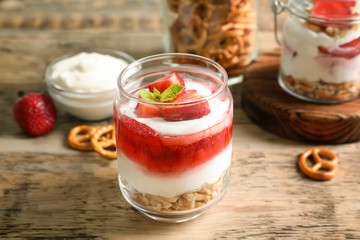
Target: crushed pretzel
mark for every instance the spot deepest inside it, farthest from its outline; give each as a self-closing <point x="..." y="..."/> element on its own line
<point x="321" y="90"/>
<point x="181" y="202"/>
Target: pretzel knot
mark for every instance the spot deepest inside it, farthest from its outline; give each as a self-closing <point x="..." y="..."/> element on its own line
<point x="103" y="141"/>
<point x="328" y="164"/>
<point x="79" y="137"/>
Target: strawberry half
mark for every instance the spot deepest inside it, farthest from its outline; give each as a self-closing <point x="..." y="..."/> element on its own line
<point x="35" y="113"/>
<point x="163" y="83"/>
<point x="188" y="111"/>
<point x="145" y="110"/>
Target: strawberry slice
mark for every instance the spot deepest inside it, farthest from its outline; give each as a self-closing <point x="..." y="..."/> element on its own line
<point x="188" y="111"/>
<point x="163" y="83"/>
<point x="145" y="110"/>
<point x="346" y="50"/>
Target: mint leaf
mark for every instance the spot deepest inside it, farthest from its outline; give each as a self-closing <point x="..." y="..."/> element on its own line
<point x="148" y="96"/>
<point x="171" y="92"/>
<point x="156" y="93"/>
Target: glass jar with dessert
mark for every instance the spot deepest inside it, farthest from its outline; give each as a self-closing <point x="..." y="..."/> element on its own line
<point x="173" y="116"/>
<point x="320" y="49"/>
<point x="224" y="31"/>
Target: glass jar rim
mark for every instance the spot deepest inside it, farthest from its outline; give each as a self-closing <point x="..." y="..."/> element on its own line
<point x="221" y="70"/>
<point x="301" y="9"/>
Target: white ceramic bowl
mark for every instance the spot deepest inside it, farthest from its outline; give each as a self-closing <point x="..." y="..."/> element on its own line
<point x="86" y="105"/>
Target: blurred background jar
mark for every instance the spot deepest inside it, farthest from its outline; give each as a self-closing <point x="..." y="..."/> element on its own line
<point x="222" y="30"/>
<point x="320" y="49"/>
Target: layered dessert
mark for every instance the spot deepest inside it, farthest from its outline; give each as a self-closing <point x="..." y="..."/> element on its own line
<point x="174" y="144"/>
<point x="320" y="59"/>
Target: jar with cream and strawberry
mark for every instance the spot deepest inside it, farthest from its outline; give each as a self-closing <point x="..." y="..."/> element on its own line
<point x="320" y="57"/>
<point x="173" y="117"/>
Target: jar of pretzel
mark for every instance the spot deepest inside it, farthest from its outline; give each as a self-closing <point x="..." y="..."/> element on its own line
<point x="222" y="30"/>
<point x="320" y="49"/>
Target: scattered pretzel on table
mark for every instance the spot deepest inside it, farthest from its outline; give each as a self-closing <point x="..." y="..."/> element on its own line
<point x="100" y="139"/>
<point x="328" y="164"/>
<point x="104" y="141"/>
<point x="79" y="137"/>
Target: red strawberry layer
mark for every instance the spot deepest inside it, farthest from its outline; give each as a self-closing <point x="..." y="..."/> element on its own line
<point x="170" y="154"/>
<point x="333" y="12"/>
<point x="333" y="9"/>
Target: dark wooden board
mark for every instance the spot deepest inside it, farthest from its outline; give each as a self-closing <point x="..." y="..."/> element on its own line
<point x="270" y="107"/>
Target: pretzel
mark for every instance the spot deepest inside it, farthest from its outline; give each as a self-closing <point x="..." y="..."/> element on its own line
<point x="226" y="49"/>
<point x="320" y="163"/>
<point x="79" y="137"/>
<point x="173" y="5"/>
<point x="220" y="30"/>
<point x="189" y="38"/>
<point x="103" y="141"/>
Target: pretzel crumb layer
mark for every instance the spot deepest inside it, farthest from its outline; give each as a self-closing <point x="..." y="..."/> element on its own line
<point x="180" y="202"/>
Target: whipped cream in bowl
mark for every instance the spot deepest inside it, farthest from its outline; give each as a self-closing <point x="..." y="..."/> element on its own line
<point x="84" y="83"/>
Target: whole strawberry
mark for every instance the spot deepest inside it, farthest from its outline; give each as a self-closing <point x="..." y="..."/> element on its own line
<point x="35" y="113"/>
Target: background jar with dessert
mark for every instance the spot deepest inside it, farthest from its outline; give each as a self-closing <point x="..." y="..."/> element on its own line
<point x="224" y="31"/>
<point x="320" y="49"/>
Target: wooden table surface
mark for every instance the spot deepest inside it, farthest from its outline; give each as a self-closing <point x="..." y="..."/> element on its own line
<point x="49" y="191"/>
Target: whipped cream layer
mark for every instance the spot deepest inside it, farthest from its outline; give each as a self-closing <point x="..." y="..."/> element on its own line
<point x="169" y="186"/>
<point x="87" y="72"/>
<point x="218" y="113"/>
<point x="301" y="58"/>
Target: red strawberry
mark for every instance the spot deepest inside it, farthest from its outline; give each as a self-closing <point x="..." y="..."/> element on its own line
<point x="188" y="111"/>
<point x="35" y="113"/>
<point x="163" y="83"/>
<point x="347" y="50"/>
<point x="145" y="110"/>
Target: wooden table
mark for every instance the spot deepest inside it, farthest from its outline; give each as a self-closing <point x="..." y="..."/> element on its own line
<point x="49" y="191"/>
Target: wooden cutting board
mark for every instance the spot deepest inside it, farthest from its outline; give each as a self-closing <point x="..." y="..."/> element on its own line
<point x="270" y="107"/>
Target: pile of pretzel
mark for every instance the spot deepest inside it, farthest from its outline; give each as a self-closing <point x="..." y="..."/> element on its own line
<point x="222" y="30"/>
<point x="100" y="139"/>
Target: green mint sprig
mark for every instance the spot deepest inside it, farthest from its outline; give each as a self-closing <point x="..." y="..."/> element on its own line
<point x="167" y="95"/>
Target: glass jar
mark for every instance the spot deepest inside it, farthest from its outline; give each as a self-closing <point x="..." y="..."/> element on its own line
<point x="222" y="30"/>
<point x="320" y="50"/>
<point x="174" y="157"/>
